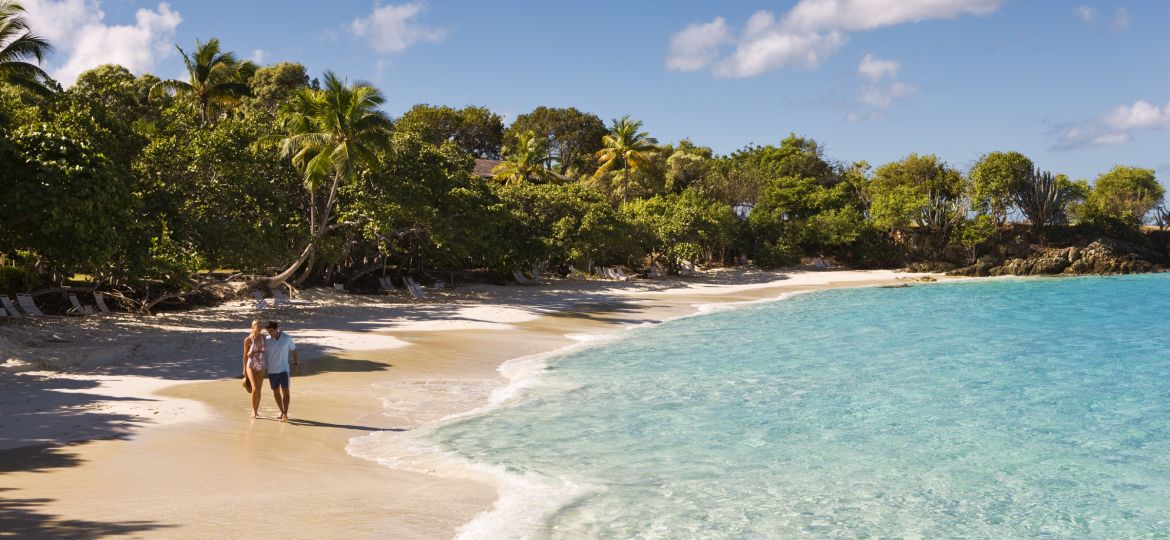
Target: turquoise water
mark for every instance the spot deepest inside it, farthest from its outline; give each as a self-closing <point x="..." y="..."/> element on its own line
<point x="995" y="409"/>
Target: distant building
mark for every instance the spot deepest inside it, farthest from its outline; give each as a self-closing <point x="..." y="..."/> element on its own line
<point x="483" y="169"/>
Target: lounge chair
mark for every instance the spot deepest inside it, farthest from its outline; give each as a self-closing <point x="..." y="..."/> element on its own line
<point x="415" y="289"/>
<point x="3" y="313"/>
<point x="279" y="299"/>
<point x="78" y="307"/>
<point x="386" y="284"/>
<point x="101" y="303"/>
<point x="27" y="304"/>
<point x="537" y="271"/>
<point x="519" y="277"/>
<point x="11" y="309"/>
<point x="261" y="303"/>
<point x="620" y="274"/>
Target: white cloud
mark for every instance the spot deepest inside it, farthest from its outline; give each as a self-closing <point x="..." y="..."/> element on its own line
<point x="1140" y="115"/>
<point x="78" y="30"/>
<point x="807" y="34"/>
<point x="1114" y="127"/>
<point x="392" y="29"/>
<point x="884" y="95"/>
<point x="1085" y="13"/>
<point x="1120" y="20"/>
<point x="883" y="88"/>
<point x="258" y="56"/>
<point x="876" y="69"/>
<point x="697" y="45"/>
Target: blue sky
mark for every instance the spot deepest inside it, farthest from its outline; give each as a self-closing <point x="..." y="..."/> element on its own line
<point x="1077" y="85"/>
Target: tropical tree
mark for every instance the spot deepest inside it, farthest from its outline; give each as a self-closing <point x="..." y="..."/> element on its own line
<point x="524" y="161"/>
<point x="1045" y="199"/>
<point x="996" y="179"/>
<point x="476" y="130"/>
<point x="18" y="47"/>
<point x="333" y="133"/>
<point x="919" y="190"/>
<point x="1123" y="196"/>
<point x="625" y="149"/>
<point x="573" y="137"/>
<point x="215" y="78"/>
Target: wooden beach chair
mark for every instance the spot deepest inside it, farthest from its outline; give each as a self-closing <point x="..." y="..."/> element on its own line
<point x="27" y="304"/>
<point x="78" y="307"/>
<point x="101" y="303"/>
<point x="386" y="284"/>
<point x="261" y="303"/>
<point x="519" y="277"/>
<point x="279" y="299"/>
<point x="415" y="289"/>
<point x="3" y="313"/>
<point x="11" y="309"/>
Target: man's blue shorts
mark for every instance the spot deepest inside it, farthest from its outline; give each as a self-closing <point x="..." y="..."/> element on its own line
<point x="278" y="379"/>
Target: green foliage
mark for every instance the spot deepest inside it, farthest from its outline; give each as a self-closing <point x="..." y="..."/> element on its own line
<point x="573" y="137"/>
<point x="796" y="215"/>
<point x="919" y="190"/>
<point x="995" y="179"/>
<point x="216" y="79"/>
<point x="1123" y="197"/>
<point x="625" y="150"/>
<point x="562" y="224"/>
<point x="974" y="232"/>
<point x="216" y="198"/>
<point x="475" y="130"/>
<point x="21" y="52"/>
<point x="1046" y="199"/>
<point x="62" y="198"/>
<point x="686" y="165"/>
<point x="684" y="226"/>
<point x="16" y="279"/>
<point x="272" y="85"/>
<point x="524" y="161"/>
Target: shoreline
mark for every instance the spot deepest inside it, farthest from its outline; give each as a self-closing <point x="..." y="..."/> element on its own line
<point x="420" y="363"/>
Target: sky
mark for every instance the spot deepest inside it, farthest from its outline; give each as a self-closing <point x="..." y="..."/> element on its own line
<point x="1079" y="86"/>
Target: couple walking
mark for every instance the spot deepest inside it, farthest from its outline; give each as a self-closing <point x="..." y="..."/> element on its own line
<point x="268" y="356"/>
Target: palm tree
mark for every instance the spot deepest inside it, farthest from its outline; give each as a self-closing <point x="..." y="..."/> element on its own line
<point x="214" y="78"/>
<point x="524" y="161"/>
<point x="19" y="45"/>
<point x="625" y="148"/>
<point x="333" y="132"/>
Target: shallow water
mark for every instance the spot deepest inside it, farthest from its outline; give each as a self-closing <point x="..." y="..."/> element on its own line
<point x="989" y="409"/>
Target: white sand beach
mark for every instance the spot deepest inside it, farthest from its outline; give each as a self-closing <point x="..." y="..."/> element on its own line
<point x="130" y="426"/>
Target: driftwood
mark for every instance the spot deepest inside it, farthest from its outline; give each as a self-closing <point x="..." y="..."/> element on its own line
<point x="148" y="304"/>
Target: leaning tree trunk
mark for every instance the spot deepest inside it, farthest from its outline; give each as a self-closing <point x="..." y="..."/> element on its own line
<point x="317" y="230"/>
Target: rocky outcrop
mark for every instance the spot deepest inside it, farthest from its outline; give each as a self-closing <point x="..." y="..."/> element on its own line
<point x="1102" y="256"/>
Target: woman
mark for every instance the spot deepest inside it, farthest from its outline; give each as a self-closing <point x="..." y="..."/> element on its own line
<point x="254" y="365"/>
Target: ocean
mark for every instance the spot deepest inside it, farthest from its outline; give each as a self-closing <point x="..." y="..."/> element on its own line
<point x="1001" y="408"/>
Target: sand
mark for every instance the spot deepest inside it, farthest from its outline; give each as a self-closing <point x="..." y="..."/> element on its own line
<point x="127" y="426"/>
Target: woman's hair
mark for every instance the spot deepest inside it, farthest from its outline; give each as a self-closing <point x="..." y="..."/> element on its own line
<point x="256" y="322"/>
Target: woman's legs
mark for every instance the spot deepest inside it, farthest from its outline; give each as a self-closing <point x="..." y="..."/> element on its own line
<point x="258" y="378"/>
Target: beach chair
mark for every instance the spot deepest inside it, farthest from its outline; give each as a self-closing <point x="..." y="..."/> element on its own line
<point x="279" y="299"/>
<point x="78" y="307"/>
<point x="101" y="303"/>
<point x="11" y="309"/>
<point x="602" y="271"/>
<point x="27" y="304"/>
<point x="537" y="271"/>
<point x="415" y="289"/>
<point x="3" y="313"/>
<point x="261" y="303"/>
<point x="519" y="277"/>
<point x="386" y="284"/>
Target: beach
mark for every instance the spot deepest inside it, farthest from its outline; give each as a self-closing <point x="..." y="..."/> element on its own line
<point x="135" y="426"/>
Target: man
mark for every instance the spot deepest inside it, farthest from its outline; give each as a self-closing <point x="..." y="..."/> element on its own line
<point x="278" y="346"/>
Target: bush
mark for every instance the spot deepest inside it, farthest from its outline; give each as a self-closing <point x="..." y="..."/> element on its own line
<point x="14" y="279"/>
<point x="777" y="255"/>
